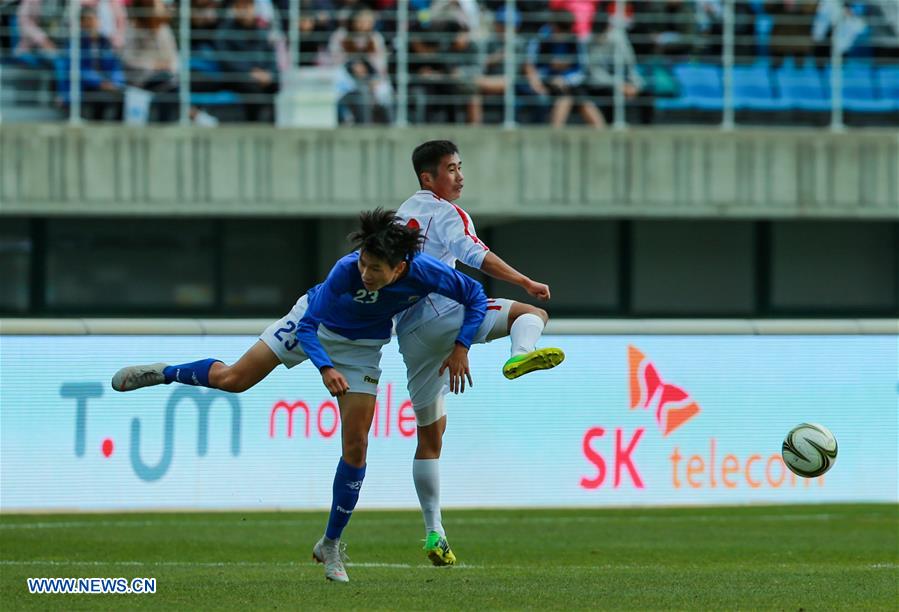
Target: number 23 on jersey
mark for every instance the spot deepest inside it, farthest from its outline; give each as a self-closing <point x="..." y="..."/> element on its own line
<point x="366" y="297"/>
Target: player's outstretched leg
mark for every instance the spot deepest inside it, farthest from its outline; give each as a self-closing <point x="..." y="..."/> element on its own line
<point x="526" y="328"/>
<point x="252" y="367"/>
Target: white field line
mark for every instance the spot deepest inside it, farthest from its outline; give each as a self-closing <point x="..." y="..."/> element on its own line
<point x="403" y="566"/>
<point x="373" y="518"/>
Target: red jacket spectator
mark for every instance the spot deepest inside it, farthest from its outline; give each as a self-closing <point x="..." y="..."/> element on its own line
<point x="583" y="11"/>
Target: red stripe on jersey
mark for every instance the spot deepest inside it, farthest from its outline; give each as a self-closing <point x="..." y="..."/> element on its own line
<point x="494" y="308"/>
<point x="465" y="224"/>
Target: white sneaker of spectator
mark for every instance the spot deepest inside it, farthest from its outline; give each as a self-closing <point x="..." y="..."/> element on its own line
<point x="204" y="119"/>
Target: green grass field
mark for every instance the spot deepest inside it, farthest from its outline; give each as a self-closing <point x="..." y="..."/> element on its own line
<point x="784" y="558"/>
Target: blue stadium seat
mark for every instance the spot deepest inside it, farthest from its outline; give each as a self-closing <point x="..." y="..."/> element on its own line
<point x="215" y="98"/>
<point x="207" y="67"/>
<point x="802" y="88"/>
<point x="700" y="88"/>
<point x="204" y="64"/>
<point x="888" y="77"/>
<point x="753" y="90"/>
<point x="860" y="91"/>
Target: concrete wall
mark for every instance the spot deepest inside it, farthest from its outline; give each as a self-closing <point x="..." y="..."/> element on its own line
<point x="526" y="173"/>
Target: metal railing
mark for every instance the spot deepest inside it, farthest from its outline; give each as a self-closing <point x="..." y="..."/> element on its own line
<point x="602" y="63"/>
<point x="579" y="327"/>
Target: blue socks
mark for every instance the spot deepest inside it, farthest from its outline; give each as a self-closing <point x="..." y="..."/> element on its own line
<point x="195" y="373"/>
<point x="347" y="483"/>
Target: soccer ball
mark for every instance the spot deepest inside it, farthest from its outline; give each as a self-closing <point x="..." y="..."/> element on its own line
<point x="809" y="450"/>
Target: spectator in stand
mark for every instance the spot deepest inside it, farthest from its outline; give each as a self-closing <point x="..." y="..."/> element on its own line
<point x="534" y="14"/>
<point x="363" y="85"/>
<point x="102" y="76"/>
<point x="601" y="74"/>
<point x="492" y="81"/>
<point x="425" y="68"/>
<point x="791" y="34"/>
<point x="710" y="29"/>
<point x="669" y="24"/>
<point x="151" y="56"/>
<point x="387" y="18"/>
<point x="583" y="12"/>
<point x="345" y="9"/>
<point x="465" y="12"/>
<point x="247" y="56"/>
<point x="35" y="46"/>
<point x="205" y="17"/>
<point x="555" y="71"/>
<point x="844" y="16"/>
<point x="459" y="69"/>
<point x="112" y="19"/>
<point x="316" y="26"/>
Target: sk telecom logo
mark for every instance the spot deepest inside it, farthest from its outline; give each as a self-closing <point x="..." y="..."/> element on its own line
<point x="673" y="406"/>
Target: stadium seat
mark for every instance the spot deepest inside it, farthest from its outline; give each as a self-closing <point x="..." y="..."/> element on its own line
<point x="205" y="64"/>
<point x="860" y="91"/>
<point x="700" y="88"/>
<point x="215" y="98"/>
<point x="888" y="81"/>
<point x="207" y="74"/>
<point x="802" y="88"/>
<point x="753" y="90"/>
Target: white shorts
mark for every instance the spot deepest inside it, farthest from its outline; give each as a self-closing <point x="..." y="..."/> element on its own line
<point x="358" y="360"/>
<point x="425" y="348"/>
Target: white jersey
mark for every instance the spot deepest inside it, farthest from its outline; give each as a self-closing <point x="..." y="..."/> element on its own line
<point x="449" y="236"/>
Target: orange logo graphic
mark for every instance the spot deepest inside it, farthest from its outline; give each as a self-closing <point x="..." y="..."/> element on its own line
<point x="673" y="405"/>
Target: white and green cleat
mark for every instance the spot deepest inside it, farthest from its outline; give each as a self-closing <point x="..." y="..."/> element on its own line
<point x="438" y="550"/>
<point x="541" y="359"/>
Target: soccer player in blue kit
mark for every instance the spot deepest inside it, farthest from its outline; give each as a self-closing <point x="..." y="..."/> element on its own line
<point x="341" y="325"/>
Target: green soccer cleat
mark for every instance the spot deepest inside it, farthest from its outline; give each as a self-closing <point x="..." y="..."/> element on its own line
<point x="541" y="359"/>
<point x="438" y="550"/>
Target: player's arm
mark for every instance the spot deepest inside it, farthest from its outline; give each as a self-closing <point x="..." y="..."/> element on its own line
<point x="458" y="233"/>
<point x="451" y="283"/>
<point x="307" y="329"/>
<point x="494" y="266"/>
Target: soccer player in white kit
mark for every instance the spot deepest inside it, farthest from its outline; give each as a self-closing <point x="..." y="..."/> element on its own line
<point x="427" y="331"/>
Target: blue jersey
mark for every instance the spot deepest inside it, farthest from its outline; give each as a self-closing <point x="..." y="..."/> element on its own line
<point x="346" y="307"/>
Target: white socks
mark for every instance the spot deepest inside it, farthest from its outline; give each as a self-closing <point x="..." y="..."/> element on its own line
<point x="525" y="332"/>
<point x="426" y="474"/>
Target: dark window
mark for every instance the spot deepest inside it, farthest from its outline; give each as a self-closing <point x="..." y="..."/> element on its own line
<point x="130" y="265"/>
<point x="578" y="259"/>
<point x="266" y="264"/>
<point x="15" y="265"/>
<point x="693" y="268"/>
<point x="834" y="266"/>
